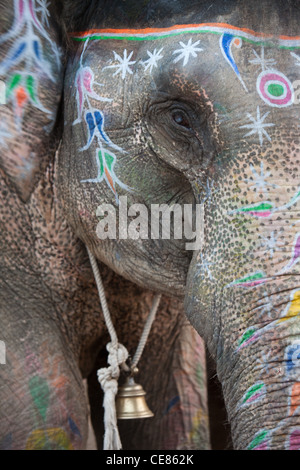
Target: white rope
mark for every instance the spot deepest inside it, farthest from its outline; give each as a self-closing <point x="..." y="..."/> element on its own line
<point x="100" y="287"/>
<point x="118" y="354"/>
<point x="146" y="331"/>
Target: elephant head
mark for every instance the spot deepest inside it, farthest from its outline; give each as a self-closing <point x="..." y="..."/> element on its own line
<point x="197" y="104"/>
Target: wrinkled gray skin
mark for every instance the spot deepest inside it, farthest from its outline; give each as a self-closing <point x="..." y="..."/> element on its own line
<point x="199" y="130"/>
<point x="51" y="322"/>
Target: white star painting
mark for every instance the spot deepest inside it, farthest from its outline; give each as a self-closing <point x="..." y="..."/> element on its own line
<point x="123" y="66"/>
<point x="258" y="126"/>
<point x="259" y="179"/>
<point x="186" y="51"/>
<point x="154" y="57"/>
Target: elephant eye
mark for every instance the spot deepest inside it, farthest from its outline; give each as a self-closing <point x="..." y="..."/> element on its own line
<point x="180" y="118"/>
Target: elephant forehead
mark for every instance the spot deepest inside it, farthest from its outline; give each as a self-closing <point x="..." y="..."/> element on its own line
<point x="237" y="58"/>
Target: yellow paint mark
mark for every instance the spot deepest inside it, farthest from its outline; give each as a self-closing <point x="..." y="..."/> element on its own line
<point x="294" y="308"/>
<point x="49" y="439"/>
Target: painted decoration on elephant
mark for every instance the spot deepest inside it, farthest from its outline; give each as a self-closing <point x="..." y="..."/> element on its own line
<point x="254" y="394"/>
<point x="251" y="280"/>
<point x="187" y="50"/>
<point x="292" y="356"/>
<point x="49" y="398"/>
<point x="258" y="126"/>
<point x="226" y="42"/>
<point x="265" y="208"/>
<point x="261" y="441"/>
<point x="26" y="32"/>
<point x="151" y="34"/>
<point x="49" y="439"/>
<point x="272" y="86"/>
<point x="271" y="243"/>
<point x="294" y="402"/>
<point x="293" y="308"/>
<point x="291" y="312"/>
<point x="123" y="65"/>
<point x="152" y="60"/>
<point x="295" y="257"/>
<point x="86" y="90"/>
<point x="294" y="440"/>
<point x="275" y="89"/>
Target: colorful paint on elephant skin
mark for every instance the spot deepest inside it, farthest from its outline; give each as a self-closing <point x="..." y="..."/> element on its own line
<point x="293" y="309"/>
<point x="250" y="335"/>
<point x="291" y="312"/>
<point x="95" y="121"/>
<point x="40" y="393"/>
<point x="27" y="31"/>
<point x="226" y="42"/>
<point x="292" y="356"/>
<point x="261" y="441"/>
<point x="294" y="440"/>
<point x="266" y="208"/>
<point x="258" y="126"/>
<point x="253" y="394"/>
<point x="294" y="401"/>
<point x="259" y="277"/>
<point x="151" y="34"/>
<point x="251" y="280"/>
<point x="275" y="89"/>
<point x="49" y="439"/>
<point x="295" y="255"/>
<point x="85" y="87"/>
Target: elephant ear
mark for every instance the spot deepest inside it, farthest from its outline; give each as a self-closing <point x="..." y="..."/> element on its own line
<point x="31" y="78"/>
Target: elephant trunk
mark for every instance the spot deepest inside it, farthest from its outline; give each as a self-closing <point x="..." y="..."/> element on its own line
<point x="259" y="371"/>
<point x="254" y="342"/>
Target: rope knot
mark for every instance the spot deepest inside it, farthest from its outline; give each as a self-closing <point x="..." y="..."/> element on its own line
<point x="117" y="355"/>
<point x="108" y="379"/>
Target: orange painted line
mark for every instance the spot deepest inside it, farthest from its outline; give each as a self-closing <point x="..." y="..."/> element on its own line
<point x="108" y="176"/>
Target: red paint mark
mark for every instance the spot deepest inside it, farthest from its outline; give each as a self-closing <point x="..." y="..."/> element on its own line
<point x="21" y="96"/>
<point x="295" y="440"/>
<point x="262" y="446"/>
<point x="254" y="397"/>
<point x="87" y="79"/>
<point x="252" y="284"/>
<point x="260" y="214"/>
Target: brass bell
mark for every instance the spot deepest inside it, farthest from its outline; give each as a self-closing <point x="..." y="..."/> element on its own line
<point x="130" y="401"/>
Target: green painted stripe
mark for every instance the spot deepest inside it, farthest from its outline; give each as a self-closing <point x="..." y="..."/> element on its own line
<point x="15" y="80"/>
<point x="30" y="85"/>
<point x="259" y="208"/>
<point x="247" y="336"/>
<point x="252" y="391"/>
<point x="253" y="277"/>
<point x="258" y="440"/>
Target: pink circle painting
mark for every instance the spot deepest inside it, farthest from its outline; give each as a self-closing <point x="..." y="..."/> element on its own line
<point x="275" y="89"/>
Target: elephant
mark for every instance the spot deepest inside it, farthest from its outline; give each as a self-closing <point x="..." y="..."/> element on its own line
<point x="53" y="333"/>
<point x="190" y="109"/>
